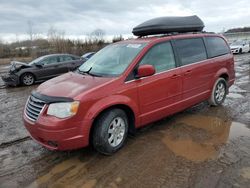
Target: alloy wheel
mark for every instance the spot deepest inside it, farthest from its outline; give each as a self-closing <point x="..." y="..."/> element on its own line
<point x="220" y="91"/>
<point x="28" y="79"/>
<point x="116" y="131"/>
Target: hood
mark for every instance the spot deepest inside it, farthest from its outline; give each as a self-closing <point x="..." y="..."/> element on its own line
<point x="16" y="65"/>
<point x="235" y="46"/>
<point x="71" y="84"/>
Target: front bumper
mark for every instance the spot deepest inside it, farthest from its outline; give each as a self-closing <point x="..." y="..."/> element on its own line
<point x="77" y="136"/>
<point x="10" y="79"/>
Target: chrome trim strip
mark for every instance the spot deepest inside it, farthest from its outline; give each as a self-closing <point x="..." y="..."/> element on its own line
<point x="26" y="110"/>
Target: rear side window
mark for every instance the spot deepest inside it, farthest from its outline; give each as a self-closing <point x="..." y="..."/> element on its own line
<point x="161" y="56"/>
<point x="216" y="46"/>
<point x="191" y="50"/>
<point x="75" y="57"/>
<point x="68" y="58"/>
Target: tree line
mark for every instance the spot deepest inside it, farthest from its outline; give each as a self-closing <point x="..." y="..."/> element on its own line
<point x="55" y="43"/>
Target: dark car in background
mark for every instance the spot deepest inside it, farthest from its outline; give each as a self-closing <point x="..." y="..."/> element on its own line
<point x="41" y="69"/>
<point x="87" y="55"/>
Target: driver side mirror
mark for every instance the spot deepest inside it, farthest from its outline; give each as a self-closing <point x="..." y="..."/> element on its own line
<point x="145" y="70"/>
<point x="39" y="65"/>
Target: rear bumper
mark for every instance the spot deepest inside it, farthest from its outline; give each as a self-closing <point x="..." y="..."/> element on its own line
<point x="77" y="136"/>
<point x="10" y="79"/>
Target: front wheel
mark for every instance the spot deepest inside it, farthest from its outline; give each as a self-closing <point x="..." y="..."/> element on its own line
<point x="219" y="92"/>
<point x="110" y="131"/>
<point x="27" y="79"/>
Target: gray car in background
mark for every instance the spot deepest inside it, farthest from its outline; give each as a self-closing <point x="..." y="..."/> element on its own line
<point x="41" y="69"/>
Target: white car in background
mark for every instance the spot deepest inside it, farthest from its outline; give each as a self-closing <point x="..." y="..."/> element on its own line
<point x="239" y="47"/>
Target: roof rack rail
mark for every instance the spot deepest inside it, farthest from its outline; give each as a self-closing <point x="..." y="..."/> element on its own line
<point x="169" y="25"/>
<point x="174" y="33"/>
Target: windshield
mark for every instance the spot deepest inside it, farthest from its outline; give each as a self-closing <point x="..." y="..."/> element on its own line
<point x="112" y="60"/>
<point x="36" y="60"/>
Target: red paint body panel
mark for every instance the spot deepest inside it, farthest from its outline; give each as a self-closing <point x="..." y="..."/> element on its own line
<point x="150" y="98"/>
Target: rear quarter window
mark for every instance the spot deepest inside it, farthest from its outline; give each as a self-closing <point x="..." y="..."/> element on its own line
<point x="216" y="46"/>
<point x="190" y="50"/>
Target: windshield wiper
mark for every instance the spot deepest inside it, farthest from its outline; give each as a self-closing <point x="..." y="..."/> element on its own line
<point x="88" y="72"/>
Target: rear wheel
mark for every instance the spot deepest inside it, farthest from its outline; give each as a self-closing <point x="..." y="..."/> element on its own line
<point x="27" y="79"/>
<point x="110" y="131"/>
<point x="219" y="92"/>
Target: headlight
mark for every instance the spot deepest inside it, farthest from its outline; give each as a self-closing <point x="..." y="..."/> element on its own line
<point x="63" y="109"/>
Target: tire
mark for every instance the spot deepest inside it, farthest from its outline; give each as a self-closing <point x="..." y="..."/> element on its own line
<point x="240" y="51"/>
<point x="219" y="92"/>
<point x="110" y="131"/>
<point x="27" y="79"/>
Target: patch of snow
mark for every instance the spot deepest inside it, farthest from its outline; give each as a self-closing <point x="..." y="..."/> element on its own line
<point x="235" y="95"/>
<point x="236" y="89"/>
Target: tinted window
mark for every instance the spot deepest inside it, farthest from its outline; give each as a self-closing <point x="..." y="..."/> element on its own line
<point x="61" y="58"/>
<point x="217" y="46"/>
<point x="68" y="58"/>
<point x="191" y="50"/>
<point x="160" y="56"/>
<point x="50" y="60"/>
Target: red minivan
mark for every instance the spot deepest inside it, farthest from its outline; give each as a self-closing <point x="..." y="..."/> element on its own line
<point x="127" y="85"/>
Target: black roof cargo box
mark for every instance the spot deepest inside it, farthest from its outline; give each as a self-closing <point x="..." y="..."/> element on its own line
<point x="163" y="25"/>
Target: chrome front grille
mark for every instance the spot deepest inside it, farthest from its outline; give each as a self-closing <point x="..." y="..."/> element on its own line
<point x="34" y="107"/>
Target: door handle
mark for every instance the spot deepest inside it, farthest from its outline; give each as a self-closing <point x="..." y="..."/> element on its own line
<point x="187" y="72"/>
<point x="175" y="76"/>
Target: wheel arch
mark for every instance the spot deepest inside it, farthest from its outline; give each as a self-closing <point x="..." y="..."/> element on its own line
<point x="225" y="76"/>
<point x="23" y="73"/>
<point x="222" y="73"/>
<point x="129" y="109"/>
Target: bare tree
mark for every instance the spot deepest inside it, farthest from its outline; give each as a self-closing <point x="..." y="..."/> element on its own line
<point x="57" y="41"/>
<point x="1" y="48"/>
<point x="117" y="38"/>
<point x="30" y="33"/>
<point x="98" y="35"/>
<point x="30" y="30"/>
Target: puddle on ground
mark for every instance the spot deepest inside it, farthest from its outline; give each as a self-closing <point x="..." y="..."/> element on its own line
<point x="194" y="137"/>
<point x="64" y="174"/>
<point x="198" y="138"/>
<point x="70" y="173"/>
<point x="238" y="130"/>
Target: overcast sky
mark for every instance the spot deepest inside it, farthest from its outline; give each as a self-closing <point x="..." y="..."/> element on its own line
<point x="80" y="17"/>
